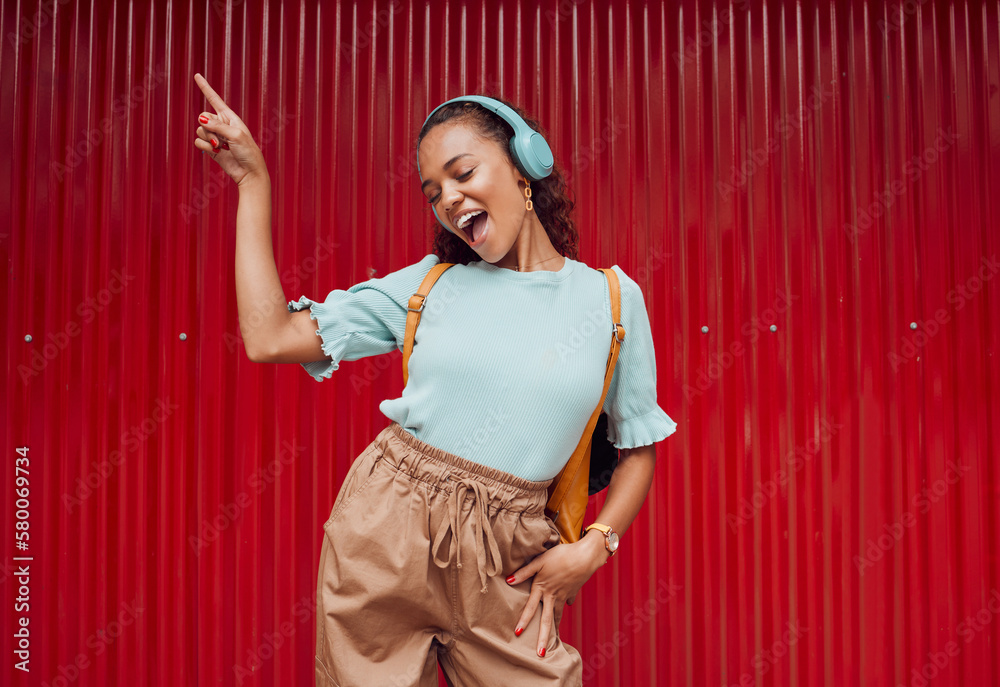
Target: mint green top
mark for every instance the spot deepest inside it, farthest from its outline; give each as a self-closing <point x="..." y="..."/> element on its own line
<point x="506" y="366"/>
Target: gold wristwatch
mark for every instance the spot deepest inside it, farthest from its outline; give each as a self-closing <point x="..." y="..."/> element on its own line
<point x="610" y="536"/>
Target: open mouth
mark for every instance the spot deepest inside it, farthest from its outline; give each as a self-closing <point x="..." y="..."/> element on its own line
<point x="476" y="228"/>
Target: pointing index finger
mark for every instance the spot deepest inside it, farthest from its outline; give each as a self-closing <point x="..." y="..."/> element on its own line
<point x="216" y="101"/>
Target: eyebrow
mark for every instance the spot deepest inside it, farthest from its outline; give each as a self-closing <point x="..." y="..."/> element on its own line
<point x="447" y="164"/>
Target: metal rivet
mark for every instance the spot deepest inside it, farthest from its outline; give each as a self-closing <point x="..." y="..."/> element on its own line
<point x="704" y="330"/>
<point x="774" y="328"/>
<point x="27" y="337"/>
<point x="184" y="337"/>
<point x="913" y="325"/>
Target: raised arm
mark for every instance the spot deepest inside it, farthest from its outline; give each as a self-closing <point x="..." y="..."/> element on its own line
<point x="270" y="332"/>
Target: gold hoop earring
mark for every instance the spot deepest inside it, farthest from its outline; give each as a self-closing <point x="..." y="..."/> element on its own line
<point x="528" y="205"/>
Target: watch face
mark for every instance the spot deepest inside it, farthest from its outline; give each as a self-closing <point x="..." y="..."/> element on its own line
<point x="613" y="541"/>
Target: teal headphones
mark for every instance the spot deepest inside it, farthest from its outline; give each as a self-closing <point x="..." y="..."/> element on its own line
<point x="530" y="151"/>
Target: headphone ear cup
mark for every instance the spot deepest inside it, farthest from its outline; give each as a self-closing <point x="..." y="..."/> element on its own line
<point x="532" y="155"/>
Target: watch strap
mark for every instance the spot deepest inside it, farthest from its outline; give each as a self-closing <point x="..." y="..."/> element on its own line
<point x="607" y="530"/>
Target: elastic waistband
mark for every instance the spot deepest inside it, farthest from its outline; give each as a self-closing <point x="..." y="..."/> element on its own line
<point x="455" y="462"/>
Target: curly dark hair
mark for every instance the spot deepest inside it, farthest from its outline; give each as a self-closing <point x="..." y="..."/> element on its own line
<point x="549" y="196"/>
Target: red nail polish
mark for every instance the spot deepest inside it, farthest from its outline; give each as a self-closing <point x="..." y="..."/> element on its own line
<point x="518" y="631"/>
<point x="542" y="652"/>
<point x="225" y="146"/>
<point x="204" y="119"/>
<point x="215" y="144"/>
<point x="510" y="580"/>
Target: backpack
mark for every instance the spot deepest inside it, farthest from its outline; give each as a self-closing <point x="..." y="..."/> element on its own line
<point x="588" y="471"/>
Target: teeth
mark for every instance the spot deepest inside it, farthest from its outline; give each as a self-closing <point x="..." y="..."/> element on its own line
<point x="461" y="221"/>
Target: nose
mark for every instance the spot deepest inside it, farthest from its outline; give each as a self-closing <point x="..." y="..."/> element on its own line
<point x="450" y="197"/>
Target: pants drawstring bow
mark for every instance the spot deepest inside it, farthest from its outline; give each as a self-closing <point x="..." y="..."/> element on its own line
<point x="488" y="556"/>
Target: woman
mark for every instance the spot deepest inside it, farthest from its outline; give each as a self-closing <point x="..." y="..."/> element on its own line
<point x="438" y="547"/>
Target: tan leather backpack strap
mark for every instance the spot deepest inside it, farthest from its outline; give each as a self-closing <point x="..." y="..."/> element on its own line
<point x="568" y="473"/>
<point x="415" y="307"/>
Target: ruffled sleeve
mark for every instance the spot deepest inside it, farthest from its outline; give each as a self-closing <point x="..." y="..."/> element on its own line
<point x="366" y="319"/>
<point x="634" y="418"/>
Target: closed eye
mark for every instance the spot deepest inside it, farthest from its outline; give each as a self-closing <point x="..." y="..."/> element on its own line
<point x="465" y="176"/>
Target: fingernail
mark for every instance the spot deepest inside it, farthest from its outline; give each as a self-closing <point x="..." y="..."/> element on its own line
<point x="216" y="150"/>
<point x="215" y="144"/>
<point x="225" y="145"/>
<point x="510" y="580"/>
<point x="542" y="652"/>
<point x="518" y="631"/>
<point x="204" y="119"/>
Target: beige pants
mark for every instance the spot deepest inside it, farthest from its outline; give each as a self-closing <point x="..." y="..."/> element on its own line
<point x="412" y="572"/>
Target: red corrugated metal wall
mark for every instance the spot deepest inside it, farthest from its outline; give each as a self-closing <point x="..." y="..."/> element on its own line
<point x="806" y="192"/>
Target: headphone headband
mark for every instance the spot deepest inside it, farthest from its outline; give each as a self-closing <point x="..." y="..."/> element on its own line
<point x="529" y="149"/>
